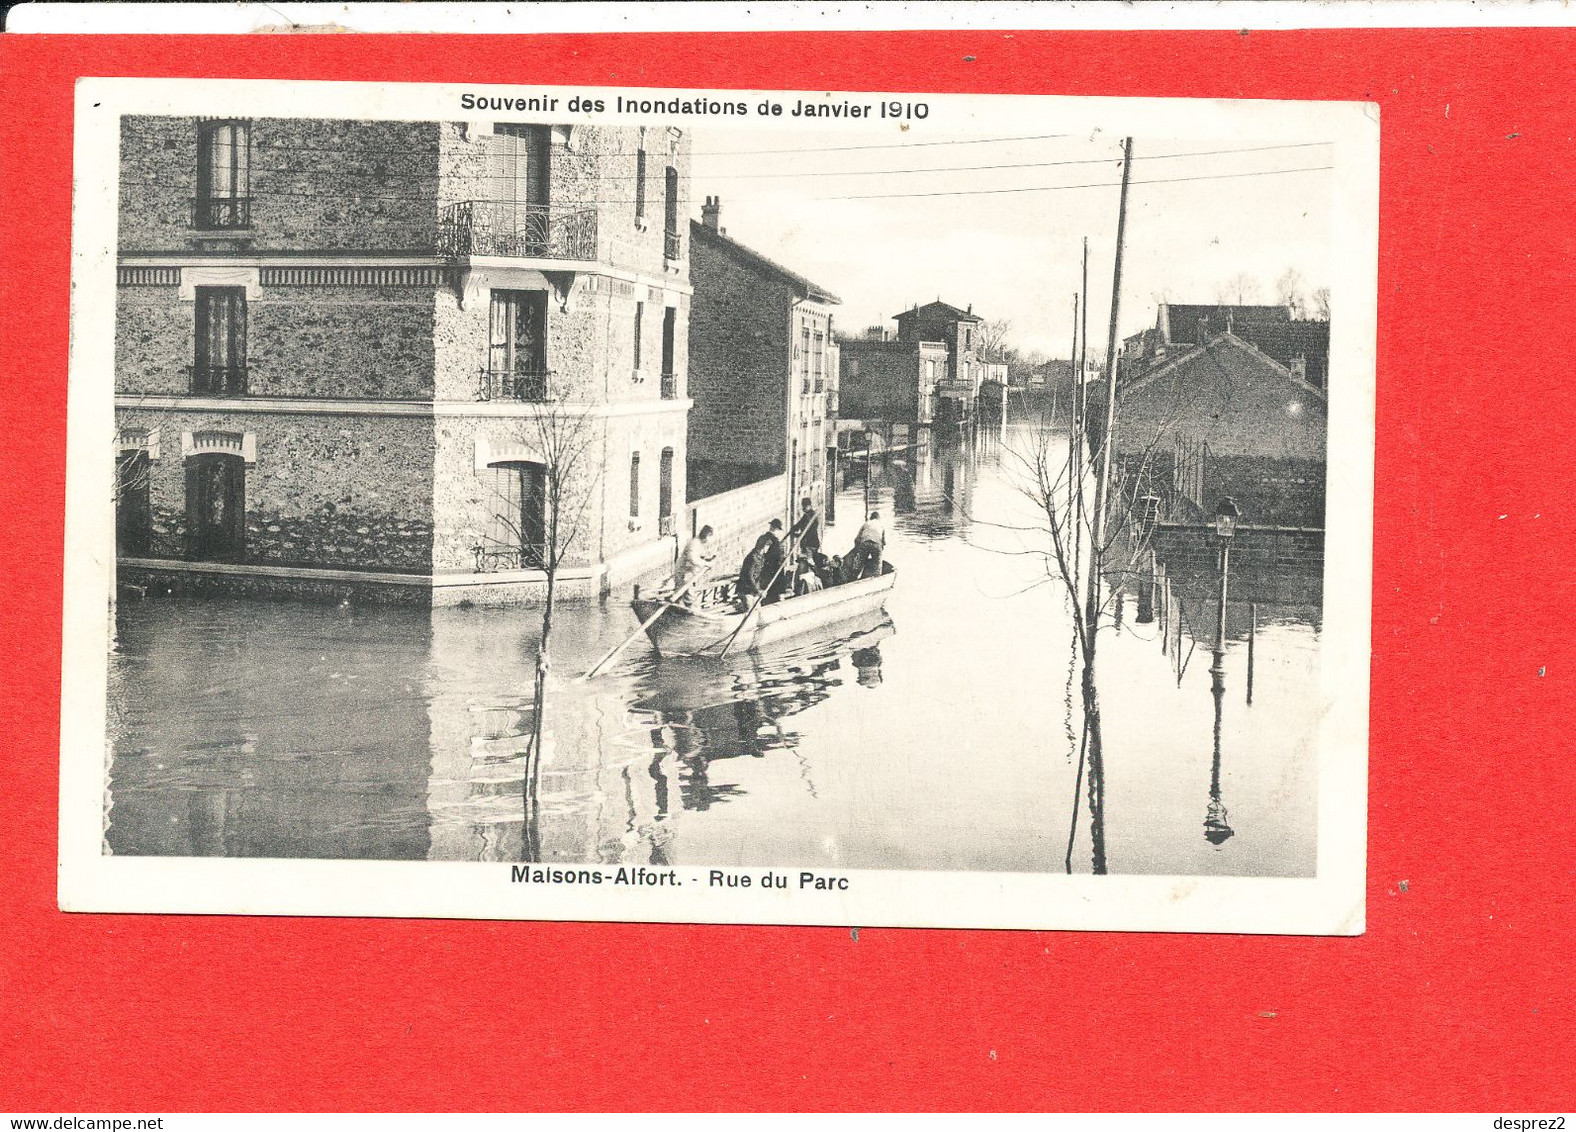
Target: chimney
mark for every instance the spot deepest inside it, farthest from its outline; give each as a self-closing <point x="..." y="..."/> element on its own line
<point x="711" y="213"/>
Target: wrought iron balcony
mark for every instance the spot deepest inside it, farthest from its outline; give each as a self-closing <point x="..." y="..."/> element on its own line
<point x="512" y="385"/>
<point x="505" y="228"/>
<point x="492" y="558"/>
<point x="671" y="246"/>
<point x="227" y="380"/>
<point x="221" y="212"/>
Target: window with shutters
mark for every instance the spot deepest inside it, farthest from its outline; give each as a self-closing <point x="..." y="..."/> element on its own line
<point x="640" y="187"/>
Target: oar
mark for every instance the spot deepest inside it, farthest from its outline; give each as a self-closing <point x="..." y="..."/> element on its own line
<point x="758" y="599"/>
<point x="644" y="625"/>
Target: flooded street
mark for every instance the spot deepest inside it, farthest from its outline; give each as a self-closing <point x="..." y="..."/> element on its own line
<point x="941" y="736"/>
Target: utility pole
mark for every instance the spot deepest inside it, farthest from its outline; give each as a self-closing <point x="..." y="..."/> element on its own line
<point x="1097" y="537"/>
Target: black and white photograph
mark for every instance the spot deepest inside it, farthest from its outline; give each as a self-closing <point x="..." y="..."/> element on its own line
<point x="719" y="506"/>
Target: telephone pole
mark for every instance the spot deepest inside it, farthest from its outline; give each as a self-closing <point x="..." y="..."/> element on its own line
<point x="1097" y="537"/>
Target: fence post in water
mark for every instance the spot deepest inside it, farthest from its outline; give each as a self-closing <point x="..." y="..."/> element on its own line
<point x="1164" y="586"/>
<point x="1253" y="632"/>
<point x="1146" y="595"/>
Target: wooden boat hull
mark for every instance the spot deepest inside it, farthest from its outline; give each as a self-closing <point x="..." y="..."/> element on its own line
<point x="685" y="631"/>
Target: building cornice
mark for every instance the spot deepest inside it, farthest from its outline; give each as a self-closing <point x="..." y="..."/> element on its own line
<point x="177" y="259"/>
<point x="323" y="406"/>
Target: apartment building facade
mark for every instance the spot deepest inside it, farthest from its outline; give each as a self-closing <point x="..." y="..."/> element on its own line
<point x="356" y="354"/>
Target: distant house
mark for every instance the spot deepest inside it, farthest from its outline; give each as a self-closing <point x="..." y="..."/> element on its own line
<point x="1213" y="414"/>
<point x="885" y="381"/>
<point x="930" y="373"/>
<point x="762" y="369"/>
<point x="958" y="331"/>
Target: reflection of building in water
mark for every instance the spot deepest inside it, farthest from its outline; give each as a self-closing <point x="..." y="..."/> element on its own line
<point x="477" y="783"/>
<point x="249" y="739"/>
<point x="933" y="489"/>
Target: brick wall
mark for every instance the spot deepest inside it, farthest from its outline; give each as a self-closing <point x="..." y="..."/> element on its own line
<point x="326" y="491"/>
<point x="316" y="185"/>
<point x="739" y="361"/>
<point x="738" y="517"/>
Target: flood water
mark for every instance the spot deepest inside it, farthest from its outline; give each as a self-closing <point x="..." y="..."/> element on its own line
<point x="940" y="736"/>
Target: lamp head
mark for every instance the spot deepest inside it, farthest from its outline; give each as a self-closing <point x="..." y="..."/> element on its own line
<point x="1226" y="516"/>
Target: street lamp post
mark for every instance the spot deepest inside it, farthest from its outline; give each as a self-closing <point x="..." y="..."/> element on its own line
<point x="1216" y="828"/>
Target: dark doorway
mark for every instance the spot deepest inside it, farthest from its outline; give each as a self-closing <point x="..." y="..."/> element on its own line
<point x="517" y="528"/>
<point x="665" y="493"/>
<point x="216" y="507"/>
<point x="133" y="502"/>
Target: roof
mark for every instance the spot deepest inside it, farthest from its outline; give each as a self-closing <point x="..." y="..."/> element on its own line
<point x="1225" y="338"/>
<point x="755" y="259"/>
<point x="946" y="310"/>
<point x="1178" y="322"/>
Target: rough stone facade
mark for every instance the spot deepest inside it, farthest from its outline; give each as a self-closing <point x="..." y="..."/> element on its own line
<point x="352" y="318"/>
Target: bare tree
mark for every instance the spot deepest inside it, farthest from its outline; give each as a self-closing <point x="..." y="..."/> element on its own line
<point x="563" y="437"/>
<point x="1241" y="288"/>
<point x="1291" y="292"/>
<point x="993" y="337"/>
<point x="1320" y="306"/>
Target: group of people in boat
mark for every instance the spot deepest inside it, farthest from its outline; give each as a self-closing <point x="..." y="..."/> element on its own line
<point x="772" y="570"/>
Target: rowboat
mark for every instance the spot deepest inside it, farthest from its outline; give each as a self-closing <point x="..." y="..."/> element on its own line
<point x="702" y="630"/>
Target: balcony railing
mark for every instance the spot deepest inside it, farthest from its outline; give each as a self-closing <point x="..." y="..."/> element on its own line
<point x="491" y="559"/>
<point x="512" y="385"/>
<point x="670" y="385"/>
<point x="671" y="246"/>
<point x="505" y="228"/>
<point x="221" y="212"/>
<point x="225" y="380"/>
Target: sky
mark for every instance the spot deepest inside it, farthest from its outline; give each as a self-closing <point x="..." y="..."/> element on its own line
<point x="937" y="221"/>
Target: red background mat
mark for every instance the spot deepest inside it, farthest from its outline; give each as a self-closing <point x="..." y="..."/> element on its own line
<point x="1460" y="995"/>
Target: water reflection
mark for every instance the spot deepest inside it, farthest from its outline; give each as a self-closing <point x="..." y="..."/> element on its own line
<point x="930" y="740"/>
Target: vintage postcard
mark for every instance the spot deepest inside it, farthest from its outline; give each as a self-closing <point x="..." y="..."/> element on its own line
<point x="719" y="506"/>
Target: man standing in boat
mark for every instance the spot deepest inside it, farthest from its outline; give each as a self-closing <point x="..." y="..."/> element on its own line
<point x="775" y="578"/>
<point x="694" y="563"/>
<point x="868" y="546"/>
<point x="806" y="530"/>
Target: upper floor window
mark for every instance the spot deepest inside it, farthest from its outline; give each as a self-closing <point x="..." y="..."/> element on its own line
<point x="224" y="175"/>
<point x="968" y="338"/>
<point x="640" y="320"/>
<point x="670" y="214"/>
<point x="219" y="364"/>
<point x="634" y="485"/>
<point x="640" y="186"/>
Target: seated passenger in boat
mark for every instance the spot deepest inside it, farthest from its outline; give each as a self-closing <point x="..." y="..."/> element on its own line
<point x="805" y="578"/>
<point x="826" y="570"/>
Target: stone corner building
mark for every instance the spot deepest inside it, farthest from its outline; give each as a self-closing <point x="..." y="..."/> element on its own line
<point x="345" y="348"/>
